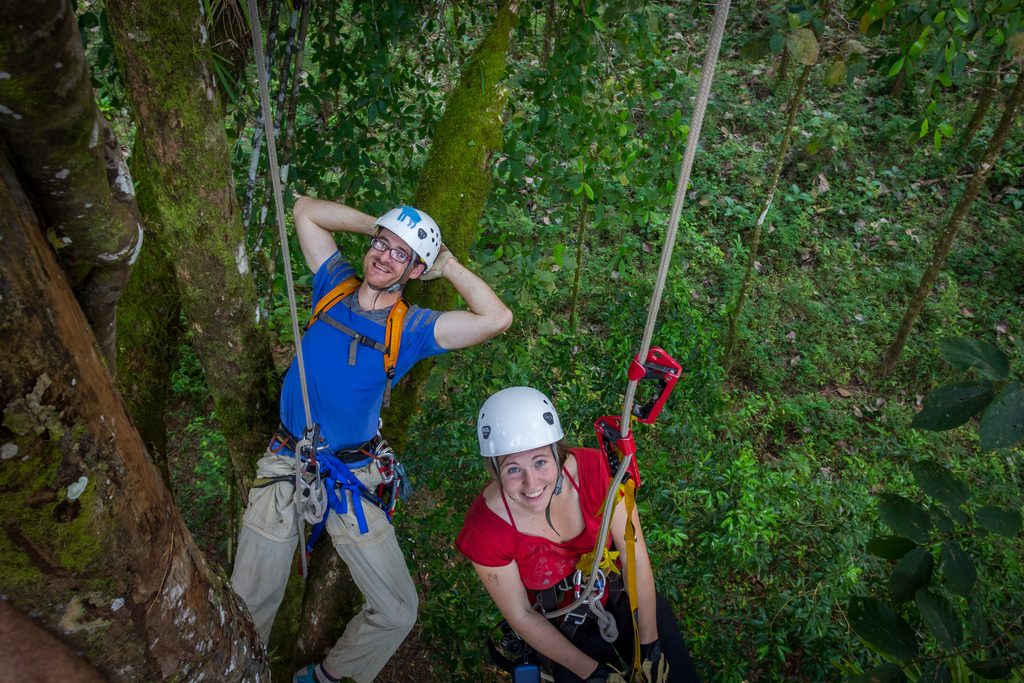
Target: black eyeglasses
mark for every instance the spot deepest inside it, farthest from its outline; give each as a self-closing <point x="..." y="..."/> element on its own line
<point x="397" y="255"/>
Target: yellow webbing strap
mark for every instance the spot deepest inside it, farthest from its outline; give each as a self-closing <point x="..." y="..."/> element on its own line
<point x="392" y="328"/>
<point x="334" y="296"/>
<point x="392" y="342"/>
<point x="631" y="591"/>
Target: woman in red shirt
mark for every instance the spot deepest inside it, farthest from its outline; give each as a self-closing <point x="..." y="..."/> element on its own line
<point x="528" y="529"/>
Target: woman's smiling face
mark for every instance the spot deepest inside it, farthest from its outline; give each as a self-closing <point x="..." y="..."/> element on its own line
<point x="529" y="477"/>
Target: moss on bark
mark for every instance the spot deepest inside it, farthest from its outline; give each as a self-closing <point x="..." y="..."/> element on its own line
<point x="456" y="180"/>
<point x="183" y="153"/>
<point x="67" y="157"/>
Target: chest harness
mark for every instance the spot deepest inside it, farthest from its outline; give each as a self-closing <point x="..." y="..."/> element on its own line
<point x="325" y="475"/>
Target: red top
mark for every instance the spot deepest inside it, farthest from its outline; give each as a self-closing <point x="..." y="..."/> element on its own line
<point x="490" y="541"/>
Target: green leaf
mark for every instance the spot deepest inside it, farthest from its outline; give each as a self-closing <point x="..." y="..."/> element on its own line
<point x="589" y="190"/>
<point x="905" y="517"/>
<point x="803" y="45"/>
<point x="935" y="672"/>
<point x="1002" y="424"/>
<point x="961" y="14"/>
<point x="836" y="73"/>
<point x="757" y="47"/>
<point x="896" y="67"/>
<point x="924" y="129"/>
<point x="993" y="668"/>
<point x="776" y="42"/>
<point x="999" y="521"/>
<point x="1015" y="45"/>
<point x="940" y="483"/>
<point x="883" y="673"/>
<point x="965" y="353"/>
<point x="872" y="620"/>
<point x="940" y="618"/>
<point x="890" y="547"/>
<point x="958" y="568"/>
<point x="952" y="405"/>
<point x="978" y="622"/>
<point x="911" y="574"/>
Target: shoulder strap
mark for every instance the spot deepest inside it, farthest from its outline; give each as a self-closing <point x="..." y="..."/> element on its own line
<point x="332" y="297"/>
<point x="392" y="343"/>
<point x="392" y="329"/>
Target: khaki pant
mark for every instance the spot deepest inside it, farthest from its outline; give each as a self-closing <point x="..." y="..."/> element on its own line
<point x="266" y="547"/>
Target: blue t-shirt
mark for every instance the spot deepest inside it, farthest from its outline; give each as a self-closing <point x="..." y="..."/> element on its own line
<point x="345" y="400"/>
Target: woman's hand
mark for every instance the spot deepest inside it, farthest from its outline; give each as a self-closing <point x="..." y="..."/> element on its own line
<point x="653" y="665"/>
<point x="603" y="675"/>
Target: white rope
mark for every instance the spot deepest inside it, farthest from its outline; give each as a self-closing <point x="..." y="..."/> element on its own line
<point x="696" y="122"/>
<point x="275" y="178"/>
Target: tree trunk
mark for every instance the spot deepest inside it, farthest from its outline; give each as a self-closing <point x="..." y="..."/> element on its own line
<point x="455" y="182"/>
<point x="93" y="546"/>
<point x="66" y="155"/>
<point x="755" y="239"/>
<point x="949" y="233"/>
<point x="150" y="315"/>
<point x="184" y="156"/>
<point x="986" y="93"/>
<point x="783" y="73"/>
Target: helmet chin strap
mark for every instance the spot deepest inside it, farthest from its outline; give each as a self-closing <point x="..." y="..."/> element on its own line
<point x="403" y="279"/>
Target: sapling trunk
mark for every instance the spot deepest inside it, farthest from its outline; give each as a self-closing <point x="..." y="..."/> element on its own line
<point x="257" y="133"/>
<point x="986" y="93"/>
<point x="755" y="239"/>
<point x="581" y="227"/>
<point x="949" y="233"/>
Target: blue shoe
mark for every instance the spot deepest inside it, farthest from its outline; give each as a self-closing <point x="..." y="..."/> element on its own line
<point x="306" y="674"/>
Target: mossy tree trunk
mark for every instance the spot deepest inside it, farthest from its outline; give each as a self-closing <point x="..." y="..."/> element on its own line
<point x="93" y="547"/>
<point x="455" y="182"/>
<point x="952" y="229"/>
<point x="183" y="154"/>
<point x="66" y="155"/>
<point x="150" y="315"/>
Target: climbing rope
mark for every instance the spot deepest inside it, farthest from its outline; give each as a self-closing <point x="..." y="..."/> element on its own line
<point x="693" y="138"/>
<point x="303" y="482"/>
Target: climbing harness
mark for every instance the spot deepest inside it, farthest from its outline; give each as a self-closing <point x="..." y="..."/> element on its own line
<point x="392" y="329"/>
<point x="322" y="478"/>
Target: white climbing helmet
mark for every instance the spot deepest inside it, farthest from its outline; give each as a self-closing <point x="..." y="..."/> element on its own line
<point x="516" y="419"/>
<point x="418" y="230"/>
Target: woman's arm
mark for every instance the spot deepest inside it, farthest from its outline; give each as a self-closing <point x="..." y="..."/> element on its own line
<point x="646" y="615"/>
<point x="506" y="589"/>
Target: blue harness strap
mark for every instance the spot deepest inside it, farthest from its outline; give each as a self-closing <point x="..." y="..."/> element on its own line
<point x="338" y="478"/>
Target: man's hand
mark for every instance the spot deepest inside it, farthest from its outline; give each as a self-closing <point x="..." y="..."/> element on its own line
<point x="435" y="270"/>
<point x="653" y="665"/>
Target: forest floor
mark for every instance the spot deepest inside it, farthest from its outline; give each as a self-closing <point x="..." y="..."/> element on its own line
<point x="763" y="480"/>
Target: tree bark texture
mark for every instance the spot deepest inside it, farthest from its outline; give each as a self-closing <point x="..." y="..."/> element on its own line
<point x="183" y="155"/>
<point x="949" y="233"/>
<point x="330" y="600"/>
<point x="29" y="651"/>
<point x="150" y="315"/>
<point x="456" y="180"/>
<point x="67" y="156"/>
<point x="92" y="544"/>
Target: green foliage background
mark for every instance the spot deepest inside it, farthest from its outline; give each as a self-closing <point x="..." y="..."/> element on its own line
<point x="760" y="487"/>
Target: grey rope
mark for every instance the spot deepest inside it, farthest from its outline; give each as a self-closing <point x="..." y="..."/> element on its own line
<point x="696" y="123"/>
<point x="275" y="179"/>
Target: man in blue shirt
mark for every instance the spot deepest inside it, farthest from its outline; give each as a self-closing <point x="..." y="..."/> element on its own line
<point x="347" y="383"/>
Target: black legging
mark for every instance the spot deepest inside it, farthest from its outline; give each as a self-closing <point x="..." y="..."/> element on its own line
<point x="620" y="653"/>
